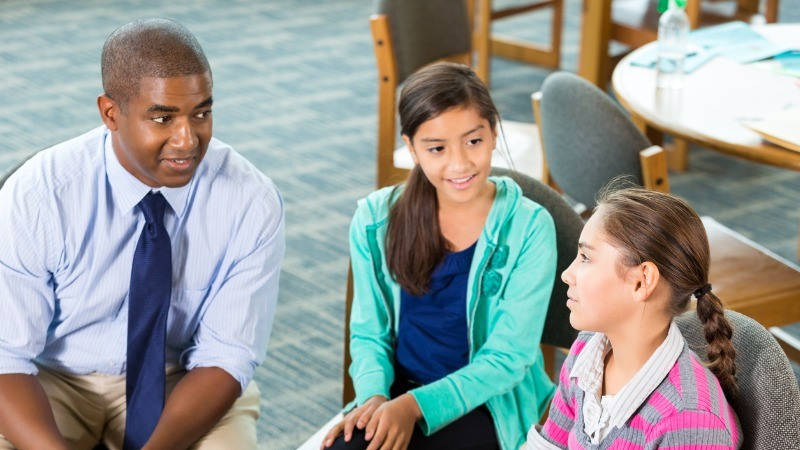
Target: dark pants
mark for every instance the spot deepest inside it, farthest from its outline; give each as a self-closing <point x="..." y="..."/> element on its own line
<point x="474" y="431"/>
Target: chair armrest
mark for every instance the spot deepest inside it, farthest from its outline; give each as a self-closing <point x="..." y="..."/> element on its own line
<point x="654" y="168"/>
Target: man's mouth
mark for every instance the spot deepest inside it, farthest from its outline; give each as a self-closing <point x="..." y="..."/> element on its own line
<point x="179" y="164"/>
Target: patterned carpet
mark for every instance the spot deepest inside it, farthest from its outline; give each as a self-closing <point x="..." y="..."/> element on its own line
<point x="295" y="92"/>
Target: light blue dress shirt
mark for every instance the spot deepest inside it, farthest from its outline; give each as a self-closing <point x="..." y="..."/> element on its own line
<point x="68" y="230"/>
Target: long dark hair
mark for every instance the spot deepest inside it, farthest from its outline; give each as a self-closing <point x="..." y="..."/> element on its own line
<point x="414" y="241"/>
<point x="652" y="226"/>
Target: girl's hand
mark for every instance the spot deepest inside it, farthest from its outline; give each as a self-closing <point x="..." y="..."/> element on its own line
<point x="392" y="424"/>
<point x="358" y="417"/>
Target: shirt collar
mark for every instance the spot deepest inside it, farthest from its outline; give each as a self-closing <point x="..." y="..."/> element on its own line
<point x="128" y="191"/>
<point x="635" y="391"/>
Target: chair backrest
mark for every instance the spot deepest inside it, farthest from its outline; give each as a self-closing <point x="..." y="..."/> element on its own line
<point x="424" y="31"/>
<point x="407" y="35"/>
<point x="6" y="175"/>
<point x="557" y="330"/>
<point x="768" y="404"/>
<point x="588" y="139"/>
<point x="11" y="171"/>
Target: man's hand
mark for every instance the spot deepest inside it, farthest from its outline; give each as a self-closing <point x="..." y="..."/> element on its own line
<point x="26" y="418"/>
<point x="358" y="417"/>
<point x="392" y="424"/>
<point x="193" y="408"/>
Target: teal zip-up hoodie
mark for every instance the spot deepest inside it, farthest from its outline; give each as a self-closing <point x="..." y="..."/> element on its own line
<point x="509" y="286"/>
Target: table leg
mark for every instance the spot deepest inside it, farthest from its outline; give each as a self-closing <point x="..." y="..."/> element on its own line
<point x="595" y="35"/>
<point x="678" y="155"/>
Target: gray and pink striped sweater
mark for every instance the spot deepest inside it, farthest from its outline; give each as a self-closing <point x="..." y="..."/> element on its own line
<point x="687" y="411"/>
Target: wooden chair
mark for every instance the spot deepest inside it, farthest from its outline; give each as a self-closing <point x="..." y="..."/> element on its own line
<point x="557" y="334"/>
<point x="588" y="140"/>
<point x="409" y="34"/>
<point x="487" y="43"/>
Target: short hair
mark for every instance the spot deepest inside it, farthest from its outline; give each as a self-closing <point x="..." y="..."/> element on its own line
<point x="159" y="48"/>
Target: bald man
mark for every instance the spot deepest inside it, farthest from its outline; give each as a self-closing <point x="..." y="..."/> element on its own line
<point x="139" y="267"/>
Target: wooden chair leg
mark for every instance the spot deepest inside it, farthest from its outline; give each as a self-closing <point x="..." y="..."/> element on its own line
<point x="595" y="34"/>
<point x="549" y="353"/>
<point x="771" y="11"/>
<point x="556" y="32"/>
<point x="348" y="392"/>
<point x="481" y="40"/>
<point x="693" y="12"/>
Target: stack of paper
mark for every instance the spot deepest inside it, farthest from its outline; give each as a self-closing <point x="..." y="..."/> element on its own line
<point x="734" y="40"/>
<point x="781" y="128"/>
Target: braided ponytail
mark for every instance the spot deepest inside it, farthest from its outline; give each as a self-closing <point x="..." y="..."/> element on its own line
<point x="718" y="332"/>
<point x="661" y="228"/>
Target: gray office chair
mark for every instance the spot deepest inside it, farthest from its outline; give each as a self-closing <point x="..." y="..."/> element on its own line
<point x="587" y="138"/>
<point x="6" y="175"/>
<point x="557" y="330"/>
<point x="768" y="404"/>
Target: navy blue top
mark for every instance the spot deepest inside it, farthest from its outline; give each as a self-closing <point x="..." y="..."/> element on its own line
<point x="432" y="338"/>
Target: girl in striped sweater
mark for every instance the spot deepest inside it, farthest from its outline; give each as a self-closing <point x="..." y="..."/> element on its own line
<point x="631" y="382"/>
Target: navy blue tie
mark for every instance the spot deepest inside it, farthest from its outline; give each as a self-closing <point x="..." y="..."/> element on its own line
<point x="148" y="305"/>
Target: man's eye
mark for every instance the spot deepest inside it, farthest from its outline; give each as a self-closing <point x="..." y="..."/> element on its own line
<point x="583" y="257"/>
<point x="435" y="149"/>
<point x="161" y="119"/>
<point x="203" y="114"/>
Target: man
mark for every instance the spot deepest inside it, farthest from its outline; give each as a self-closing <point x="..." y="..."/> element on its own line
<point x="139" y="267"/>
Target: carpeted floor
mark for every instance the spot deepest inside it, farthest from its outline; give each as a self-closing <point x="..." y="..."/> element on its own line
<point x="295" y="92"/>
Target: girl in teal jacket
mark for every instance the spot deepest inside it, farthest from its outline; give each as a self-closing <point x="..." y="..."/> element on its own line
<point x="452" y="276"/>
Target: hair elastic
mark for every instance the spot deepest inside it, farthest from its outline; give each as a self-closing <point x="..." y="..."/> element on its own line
<point x="700" y="292"/>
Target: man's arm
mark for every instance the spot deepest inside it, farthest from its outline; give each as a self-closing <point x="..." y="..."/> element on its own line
<point x="27" y="302"/>
<point x="193" y="408"/>
<point x="231" y="339"/>
<point x="26" y="419"/>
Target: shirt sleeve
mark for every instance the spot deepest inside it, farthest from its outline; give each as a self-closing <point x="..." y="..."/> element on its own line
<point x="371" y="344"/>
<point x="512" y="345"/>
<point x="691" y="430"/>
<point x="561" y="418"/>
<point x="234" y="330"/>
<point x="537" y="442"/>
<point x="27" y="298"/>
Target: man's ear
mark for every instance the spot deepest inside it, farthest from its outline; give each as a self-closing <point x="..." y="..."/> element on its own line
<point x="410" y="148"/>
<point x="109" y="111"/>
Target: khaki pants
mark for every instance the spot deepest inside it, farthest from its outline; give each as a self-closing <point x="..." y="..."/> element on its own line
<point x="90" y="409"/>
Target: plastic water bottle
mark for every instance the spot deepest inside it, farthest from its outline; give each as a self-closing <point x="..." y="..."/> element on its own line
<point x="673" y="37"/>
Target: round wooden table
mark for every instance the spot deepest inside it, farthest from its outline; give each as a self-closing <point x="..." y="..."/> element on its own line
<point x="713" y="102"/>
